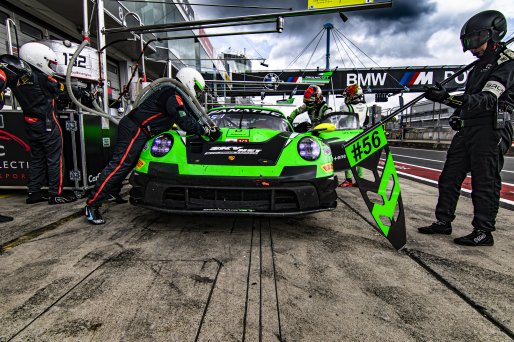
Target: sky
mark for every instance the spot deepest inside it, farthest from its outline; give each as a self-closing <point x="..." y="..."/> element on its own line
<point x="410" y="33"/>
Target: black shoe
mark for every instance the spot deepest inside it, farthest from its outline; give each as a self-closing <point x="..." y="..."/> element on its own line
<point x="5" y="218"/>
<point x="438" y="227"/>
<point x="93" y="215"/>
<point x="36" y="197"/>
<point x="61" y="199"/>
<point x="476" y="238"/>
<point x="117" y="199"/>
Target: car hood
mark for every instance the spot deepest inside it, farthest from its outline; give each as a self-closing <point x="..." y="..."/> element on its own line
<point x="254" y="135"/>
<point x="249" y="146"/>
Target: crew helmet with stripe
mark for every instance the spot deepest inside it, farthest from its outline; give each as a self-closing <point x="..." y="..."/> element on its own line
<point x="353" y="93"/>
<point x="192" y="79"/>
<point x="312" y="96"/>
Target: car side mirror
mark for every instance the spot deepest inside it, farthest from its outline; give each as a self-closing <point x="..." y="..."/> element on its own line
<point x="323" y="128"/>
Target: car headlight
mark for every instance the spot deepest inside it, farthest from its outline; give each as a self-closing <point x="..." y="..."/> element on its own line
<point x="309" y="149"/>
<point x="161" y="145"/>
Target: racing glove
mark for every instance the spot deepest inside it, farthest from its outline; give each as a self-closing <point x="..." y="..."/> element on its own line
<point x="436" y="93"/>
<point x="439" y="94"/>
<point x="455" y="122"/>
<point x="213" y="133"/>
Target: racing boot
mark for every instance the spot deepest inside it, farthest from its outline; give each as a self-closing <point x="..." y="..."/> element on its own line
<point x="93" y="215"/>
<point x="61" y="199"/>
<point x="36" y="197"/>
<point x="117" y="199"/>
<point x="438" y="227"/>
<point x="5" y="218"/>
<point x="346" y="183"/>
<point x="476" y="238"/>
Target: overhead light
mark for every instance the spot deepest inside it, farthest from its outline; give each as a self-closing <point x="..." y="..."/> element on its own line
<point x="343" y="17"/>
<point x="264" y="64"/>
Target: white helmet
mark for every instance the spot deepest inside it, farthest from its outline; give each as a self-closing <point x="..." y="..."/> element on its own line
<point x="39" y="56"/>
<point x="192" y="79"/>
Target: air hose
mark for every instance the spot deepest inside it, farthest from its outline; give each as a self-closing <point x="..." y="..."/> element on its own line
<point x="186" y="95"/>
<point x="87" y="110"/>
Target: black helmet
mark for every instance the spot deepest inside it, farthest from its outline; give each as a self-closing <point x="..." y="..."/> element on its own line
<point x="14" y="68"/>
<point x="483" y="26"/>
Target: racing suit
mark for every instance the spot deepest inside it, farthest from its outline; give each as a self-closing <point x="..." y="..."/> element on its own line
<point x="479" y="147"/>
<point x="315" y="113"/>
<point x="36" y="97"/>
<point x="155" y="115"/>
<point x="362" y="111"/>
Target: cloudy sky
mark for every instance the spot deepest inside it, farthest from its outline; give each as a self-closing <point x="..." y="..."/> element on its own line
<point x="411" y="33"/>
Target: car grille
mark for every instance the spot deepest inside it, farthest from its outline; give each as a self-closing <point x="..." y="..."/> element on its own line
<point x="212" y="198"/>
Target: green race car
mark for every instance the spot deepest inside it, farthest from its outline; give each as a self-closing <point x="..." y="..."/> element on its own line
<point x="259" y="166"/>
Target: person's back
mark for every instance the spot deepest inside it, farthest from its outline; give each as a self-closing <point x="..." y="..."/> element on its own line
<point x="156" y="114"/>
<point x="161" y="110"/>
<point x="35" y="94"/>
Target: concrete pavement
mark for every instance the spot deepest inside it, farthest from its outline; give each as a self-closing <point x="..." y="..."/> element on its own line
<point x="146" y="276"/>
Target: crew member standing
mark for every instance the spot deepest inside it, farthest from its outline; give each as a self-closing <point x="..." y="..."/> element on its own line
<point x="155" y="115"/>
<point x="313" y="104"/>
<point x="30" y="79"/>
<point x="483" y="120"/>
<point x="354" y="103"/>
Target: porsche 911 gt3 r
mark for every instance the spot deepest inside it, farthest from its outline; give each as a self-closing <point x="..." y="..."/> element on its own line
<point x="259" y="166"/>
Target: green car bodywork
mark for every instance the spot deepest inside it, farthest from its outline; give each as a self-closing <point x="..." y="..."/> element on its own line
<point x="255" y="168"/>
<point x="289" y="156"/>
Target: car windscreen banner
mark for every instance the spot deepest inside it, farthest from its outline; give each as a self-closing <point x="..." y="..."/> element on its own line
<point x="380" y="190"/>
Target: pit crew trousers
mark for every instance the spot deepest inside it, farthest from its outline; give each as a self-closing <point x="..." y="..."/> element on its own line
<point x="46" y="156"/>
<point x="130" y="143"/>
<point x="478" y="150"/>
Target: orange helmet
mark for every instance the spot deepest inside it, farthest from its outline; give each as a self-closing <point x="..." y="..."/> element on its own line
<point x="352" y="93"/>
<point x="313" y="95"/>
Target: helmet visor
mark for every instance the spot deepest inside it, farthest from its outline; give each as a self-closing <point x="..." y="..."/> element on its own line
<point x="309" y="102"/>
<point x="474" y="40"/>
<point x="199" y="89"/>
<point x="52" y="65"/>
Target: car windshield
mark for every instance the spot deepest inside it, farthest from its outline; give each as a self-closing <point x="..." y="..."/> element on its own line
<point x="342" y="120"/>
<point x="249" y="118"/>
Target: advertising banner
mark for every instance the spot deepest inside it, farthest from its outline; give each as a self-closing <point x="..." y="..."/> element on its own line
<point x="96" y="148"/>
<point x="372" y="80"/>
<point x="14" y="150"/>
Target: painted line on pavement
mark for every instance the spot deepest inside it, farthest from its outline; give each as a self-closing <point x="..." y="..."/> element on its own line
<point x="423" y="149"/>
<point x="508" y="194"/>
<point x="429" y="168"/>
<point x="404" y="156"/>
<point x="418" y="149"/>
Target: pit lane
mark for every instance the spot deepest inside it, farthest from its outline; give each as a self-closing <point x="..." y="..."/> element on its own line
<point x="327" y="276"/>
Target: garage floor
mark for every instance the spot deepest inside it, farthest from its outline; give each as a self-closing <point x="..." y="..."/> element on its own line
<point x="147" y="276"/>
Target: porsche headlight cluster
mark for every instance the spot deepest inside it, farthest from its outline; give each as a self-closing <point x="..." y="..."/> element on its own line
<point x="309" y="149"/>
<point x="161" y="145"/>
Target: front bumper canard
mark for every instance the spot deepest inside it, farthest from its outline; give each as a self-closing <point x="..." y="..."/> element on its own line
<point x="279" y="196"/>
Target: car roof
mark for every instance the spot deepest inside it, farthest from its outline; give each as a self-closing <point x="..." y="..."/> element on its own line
<point x="250" y="109"/>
